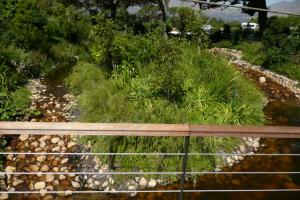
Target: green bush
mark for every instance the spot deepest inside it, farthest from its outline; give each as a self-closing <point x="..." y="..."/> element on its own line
<point x="179" y="85"/>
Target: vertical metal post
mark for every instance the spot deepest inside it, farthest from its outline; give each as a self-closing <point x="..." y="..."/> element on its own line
<point x="184" y="164"/>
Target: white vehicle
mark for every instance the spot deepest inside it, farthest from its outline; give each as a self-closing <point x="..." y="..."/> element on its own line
<point x="250" y="26"/>
<point x="207" y="27"/>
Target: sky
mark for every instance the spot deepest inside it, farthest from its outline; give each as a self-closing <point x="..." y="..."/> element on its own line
<point x="269" y="2"/>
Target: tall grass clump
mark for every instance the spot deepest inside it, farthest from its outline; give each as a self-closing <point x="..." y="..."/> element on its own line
<point x="179" y="85"/>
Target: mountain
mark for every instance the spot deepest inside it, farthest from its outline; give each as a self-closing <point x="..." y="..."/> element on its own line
<point x="235" y="14"/>
<point x="292" y="7"/>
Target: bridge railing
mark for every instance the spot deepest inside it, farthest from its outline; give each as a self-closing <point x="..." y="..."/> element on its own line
<point x="151" y="130"/>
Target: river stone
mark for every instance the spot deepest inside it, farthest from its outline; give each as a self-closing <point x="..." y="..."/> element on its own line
<point x="62" y="177"/>
<point x="4" y="196"/>
<point x="45" y="168"/>
<point x="71" y="144"/>
<point x="44" y="138"/>
<point x="55" y="140"/>
<point x="58" y="148"/>
<point x="43" y="192"/>
<point x="35" y="144"/>
<point x="17" y="182"/>
<point x="10" y="169"/>
<point x="43" y="144"/>
<point x="61" y="143"/>
<point x="68" y="192"/>
<point x="143" y="182"/>
<point x="262" y="79"/>
<point x="34" y="168"/>
<point x="49" y="178"/>
<point x="75" y="184"/>
<point x="48" y="197"/>
<point x="104" y="184"/>
<point x="41" y="158"/>
<point x="64" y="161"/>
<point x="39" y="185"/>
<point x="55" y="169"/>
<point x="24" y="137"/>
<point x="152" y="183"/>
<point x="131" y="187"/>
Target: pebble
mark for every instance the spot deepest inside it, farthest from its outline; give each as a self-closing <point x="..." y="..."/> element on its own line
<point x="49" y="178"/>
<point x="75" y="184"/>
<point x="152" y="183"/>
<point x="39" y="185"/>
<point x="55" y="140"/>
<point x="24" y="137"/>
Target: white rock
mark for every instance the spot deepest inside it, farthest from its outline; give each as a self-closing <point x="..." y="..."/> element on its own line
<point x="35" y="144"/>
<point x="45" y="168"/>
<point x="10" y="169"/>
<point x="62" y="177"/>
<point x="41" y="158"/>
<point x="49" y="178"/>
<point x="55" y="140"/>
<point x="75" y="184"/>
<point x="143" y="182"/>
<point x="58" y="148"/>
<point x="68" y="192"/>
<point x="17" y="182"/>
<point x="39" y="185"/>
<point x="262" y="79"/>
<point x="71" y="144"/>
<point x="44" y="138"/>
<point x="152" y="183"/>
<point x="3" y="196"/>
<point x="104" y="184"/>
<point x="24" y="137"/>
<point x="64" y="161"/>
<point x="131" y="187"/>
<point x="43" y="192"/>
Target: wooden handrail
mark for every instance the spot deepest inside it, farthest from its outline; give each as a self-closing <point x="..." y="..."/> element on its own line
<point x="129" y="129"/>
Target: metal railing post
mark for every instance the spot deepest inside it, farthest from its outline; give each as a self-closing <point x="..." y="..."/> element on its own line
<point x="184" y="164"/>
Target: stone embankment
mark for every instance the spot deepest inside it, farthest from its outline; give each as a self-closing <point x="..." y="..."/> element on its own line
<point x="291" y="87"/>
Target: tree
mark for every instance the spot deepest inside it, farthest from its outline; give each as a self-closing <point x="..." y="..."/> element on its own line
<point x="111" y="5"/>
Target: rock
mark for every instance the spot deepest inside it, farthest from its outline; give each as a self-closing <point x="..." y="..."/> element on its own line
<point x="262" y="79"/>
<point x="68" y="193"/>
<point x="71" y="144"/>
<point x="62" y="177"/>
<point x="131" y="187"/>
<point x="104" y="184"/>
<point x="41" y="158"/>
<point x="24" y="137"/>
<point x="152" y="183"/>
<point x="45" y="168"/>
<point x="34" y="168"/>
<point x="61" y="143"/>
<point x="33" y="120"/>
<point x="43" y="144"/>
<point x="75" y="184"/>
<point x="143" y="182"/>
<point x="43" y="192"/>
<point x="55" y="140"/>
<point x="35" y="144"/>
<point x="49" y="178"/>
<point x="17" y="182"/>
<point x="39" y="185"/>
<point x="58" y="148"/>
<point x="44" y="138"/>
<point x="3" y="196"/>
<point x="64" y="161"/>
<point x="55" y="169"/>
<point x="48" y="197"/>
<point x="10" y="156"/>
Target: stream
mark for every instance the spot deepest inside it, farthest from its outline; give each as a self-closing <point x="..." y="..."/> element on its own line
<point x="283" y="108"/>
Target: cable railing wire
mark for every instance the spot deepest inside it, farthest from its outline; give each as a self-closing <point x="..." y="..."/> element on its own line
<point x="243" y="7"/>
